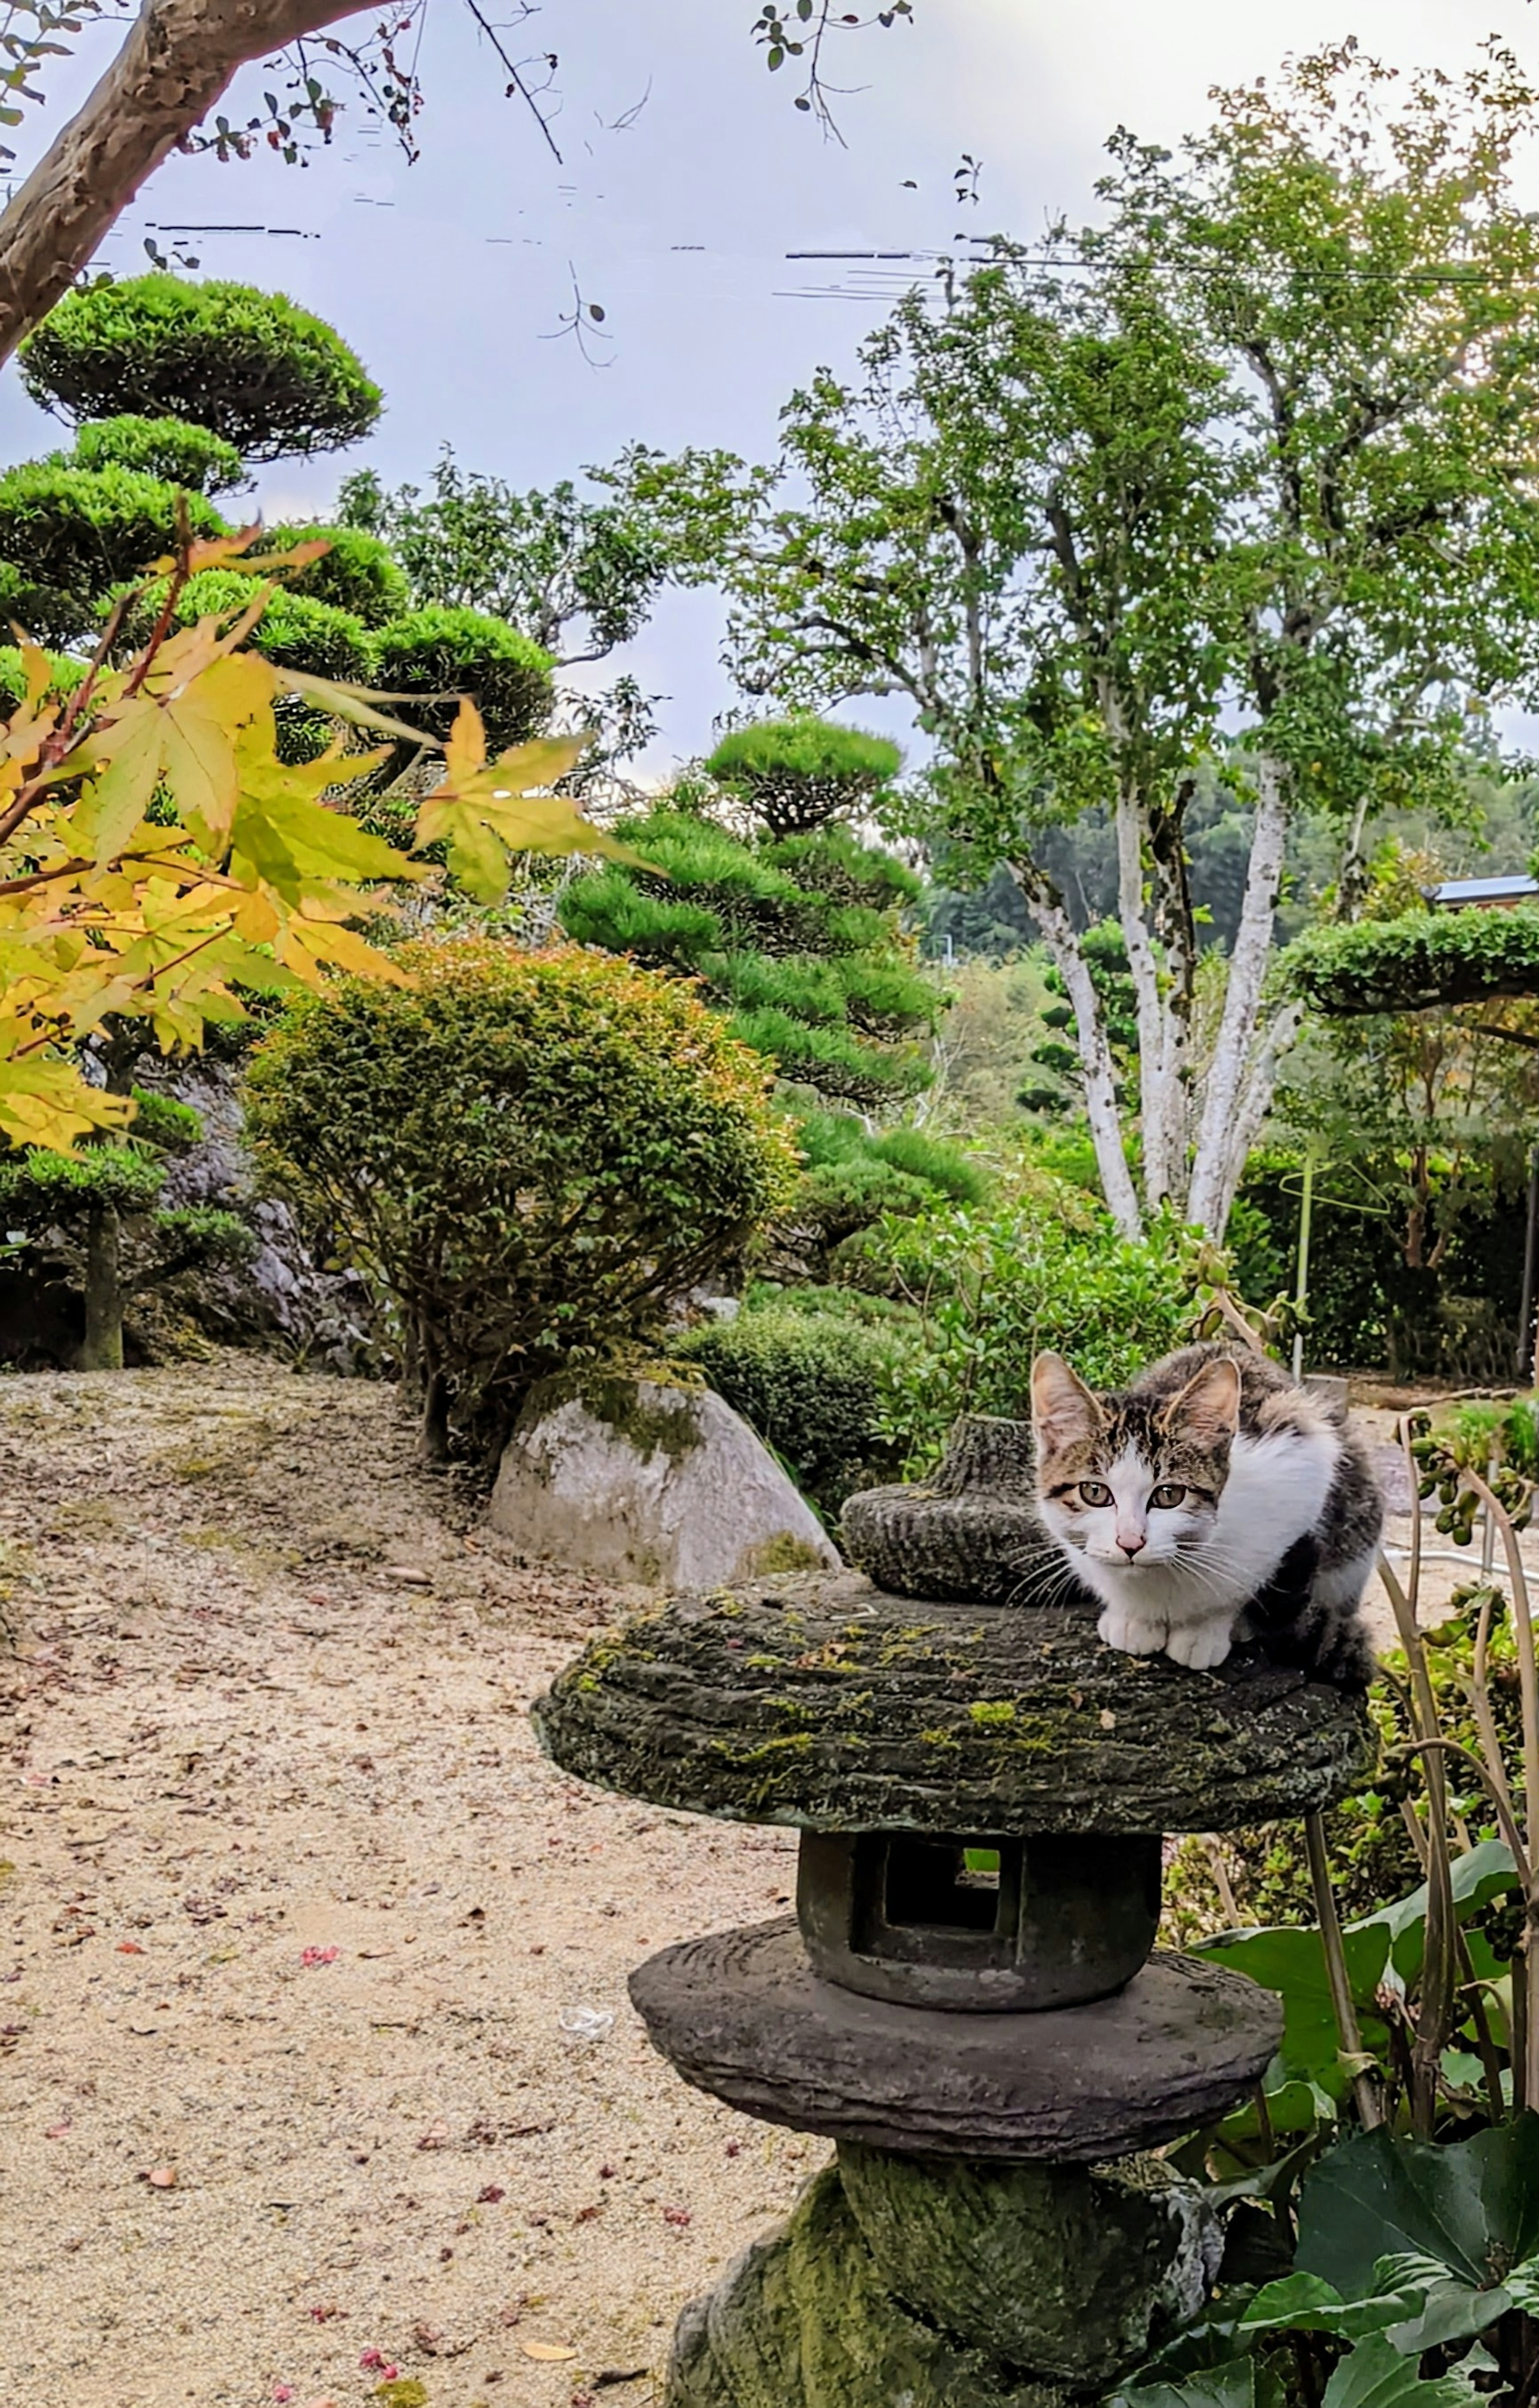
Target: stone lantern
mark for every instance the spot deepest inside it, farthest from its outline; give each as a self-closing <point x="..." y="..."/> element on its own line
<point x="967" y="2000"/>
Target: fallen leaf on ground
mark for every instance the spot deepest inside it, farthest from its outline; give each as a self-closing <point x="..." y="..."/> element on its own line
<point x="57" y="2131"/>
<point x="550" y="2353"/>
<point x="161" y="2177"/>
<point x="129" y="1948"/>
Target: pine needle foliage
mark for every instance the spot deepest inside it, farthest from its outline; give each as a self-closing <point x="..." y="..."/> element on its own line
<point x="797" y="774"/>
<point x="798" y="941"/>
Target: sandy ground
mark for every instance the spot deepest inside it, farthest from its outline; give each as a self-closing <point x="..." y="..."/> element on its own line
<point x="314" y="2040"/>
<point x="293" y="1922"/>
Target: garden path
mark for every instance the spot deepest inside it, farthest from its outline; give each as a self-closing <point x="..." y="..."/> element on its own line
<point x="291" y="1915"/>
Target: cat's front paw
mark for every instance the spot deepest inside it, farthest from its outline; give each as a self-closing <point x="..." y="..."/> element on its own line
<point x="1198" y="1645"/>
<point x="1130" y="1632"/>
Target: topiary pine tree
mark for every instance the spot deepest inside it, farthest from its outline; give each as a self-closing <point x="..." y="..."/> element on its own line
<point x="94" y="1216"/>
<point x="797" y="938"/>
<point x="266" y="376"/>
<point x="797" y="774"/>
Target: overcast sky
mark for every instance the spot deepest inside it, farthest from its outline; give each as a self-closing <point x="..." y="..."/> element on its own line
<point x="451" y="277"/>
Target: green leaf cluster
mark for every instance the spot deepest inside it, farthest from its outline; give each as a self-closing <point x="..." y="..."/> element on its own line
<point x="434" y="654"/>
<point x="356" y="572"/>
<point x="808" y="1368"/>
<point x="1422" y="960"/>
<point x="530" y="1156"/>
<point x="991" y="1286"/>
<point x="261" y="373"/>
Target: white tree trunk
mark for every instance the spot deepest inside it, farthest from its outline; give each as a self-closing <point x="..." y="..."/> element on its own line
<point x="1095" y="1060"/>
<point x="1256" y="1102"/>
<point x="1160" y="1094"/>
<point x="1207" y="1203"/>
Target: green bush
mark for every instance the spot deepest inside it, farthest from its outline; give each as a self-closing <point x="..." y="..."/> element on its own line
<point x="266" y="376"/>
<point x="68" y="535"/>
<point x="992" y="1286"/>
<point x="167" y="447"/>
<point x="529" y="1155"/>
<point x="810" y="1371"/>
<point x="794" y="774"/>
<point x="442" y="653"/>
<point x="357" y="574"/>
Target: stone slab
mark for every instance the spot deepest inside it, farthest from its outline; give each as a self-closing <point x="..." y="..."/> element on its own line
<point x="742" y="2015"/>
<point x="823" y="1702"/>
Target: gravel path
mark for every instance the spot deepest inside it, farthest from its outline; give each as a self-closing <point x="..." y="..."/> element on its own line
<point x="294" y="1923"/>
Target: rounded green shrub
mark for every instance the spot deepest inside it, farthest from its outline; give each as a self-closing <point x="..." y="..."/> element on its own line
<point x="171" y="449"/>
<point x="357" y="574"/>
<point x="529" y="1155"/>
<point x="251" y="367"/>
<point x="794" y="774"/>
<point x="810" y="1371"/>
<point x="440" y="654"/>
<point x="67" y="536"/>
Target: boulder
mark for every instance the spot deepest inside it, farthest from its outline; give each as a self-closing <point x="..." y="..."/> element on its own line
<point x="642" y="1480"/>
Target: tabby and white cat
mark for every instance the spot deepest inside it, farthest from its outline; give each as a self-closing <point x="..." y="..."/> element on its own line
<point x="1211" y="1500"/>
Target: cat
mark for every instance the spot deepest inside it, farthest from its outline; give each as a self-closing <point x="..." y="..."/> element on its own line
<point x="1209" y="1500"/>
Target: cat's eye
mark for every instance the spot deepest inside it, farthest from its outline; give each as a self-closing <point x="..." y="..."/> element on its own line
<point x="1168" y="1493"/>
<point x="1094" y="1492"/>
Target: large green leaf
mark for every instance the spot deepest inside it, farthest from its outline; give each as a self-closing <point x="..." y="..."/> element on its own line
<point x="1375" y="2375"/>
<point x="1308" y="2304"/>
<point x="1239" y="2383"/>
<point x="1471" y="2208"/>
<point x="1292" y="1962"/>
<point x="1481" y="1873"/>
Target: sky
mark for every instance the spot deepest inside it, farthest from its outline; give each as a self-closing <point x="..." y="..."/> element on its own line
<point x="451" y="277"/>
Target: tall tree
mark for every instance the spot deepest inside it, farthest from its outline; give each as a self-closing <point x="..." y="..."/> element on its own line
<point x="1251" y="470"/>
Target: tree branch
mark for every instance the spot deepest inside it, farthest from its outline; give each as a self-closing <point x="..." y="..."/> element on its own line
<point x="178" y="57"/>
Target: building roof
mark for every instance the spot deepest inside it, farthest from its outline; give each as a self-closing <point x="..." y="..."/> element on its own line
<point x="1457" y="891"/>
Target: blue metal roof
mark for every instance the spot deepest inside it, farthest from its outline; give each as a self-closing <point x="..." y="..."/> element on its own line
<point x="1483" y="890"/>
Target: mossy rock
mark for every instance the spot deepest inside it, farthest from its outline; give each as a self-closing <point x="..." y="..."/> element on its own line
<point x="804" y="2320"/>
<point x="822" y="1702"/>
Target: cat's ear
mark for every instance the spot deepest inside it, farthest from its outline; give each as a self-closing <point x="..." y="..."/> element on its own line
<point x="1208" y="1407"/>
<point x="1064" y="1411"/>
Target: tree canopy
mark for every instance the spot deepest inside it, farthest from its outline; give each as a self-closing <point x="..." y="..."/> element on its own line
<point x="797" y="774"/>
<point x="1255" y="439"/>
<point x="264" y="375"/>
<point x="1422" y="960"/>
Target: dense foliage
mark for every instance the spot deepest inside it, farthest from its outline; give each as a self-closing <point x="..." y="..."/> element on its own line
<point x="356" y="572"/>
<point x="810" y="1369"/>
<point x="797" y="774"/>
<point x="266" y="376"/>
<point x="432" y="655"/>
<point x="171" y="449"/>
<point x="991" y="1286"/>
<point x="93" y="1222"/>
<point x="68" y="535"/>
<point x="1417" y="961"/>
<point x="796" y="939"/>
<point x="531" y="1154"/>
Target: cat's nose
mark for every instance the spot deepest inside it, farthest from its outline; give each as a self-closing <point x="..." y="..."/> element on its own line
<point x="1130" y="1547"/>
